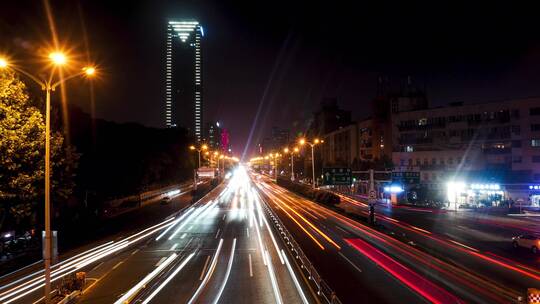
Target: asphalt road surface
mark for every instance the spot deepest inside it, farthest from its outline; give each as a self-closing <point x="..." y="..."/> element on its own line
<point x="222" y="249"/>
<point x="397" y="263"/>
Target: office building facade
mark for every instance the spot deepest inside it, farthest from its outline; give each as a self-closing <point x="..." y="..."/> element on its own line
<point x="183" y="77"/>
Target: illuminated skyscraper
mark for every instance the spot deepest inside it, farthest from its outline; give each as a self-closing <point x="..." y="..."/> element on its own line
<point x="183" y="76"/>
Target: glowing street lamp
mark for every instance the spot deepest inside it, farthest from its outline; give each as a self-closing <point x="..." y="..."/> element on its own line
<point x="275" y="156"/>
<point x="58" y="59"/>
<point x="204" y="147"/>
<point x="316" y="141"/>
<point x="294" y="150"/>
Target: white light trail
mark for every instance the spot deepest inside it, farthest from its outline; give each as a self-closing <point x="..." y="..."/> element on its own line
<point x="169" y="278"/>
<point x="229" y="266"/>
<point x="273" y="279"/>
<point x="135" y="289"/>
<point x="208" y="274"/>
<point x="74" y="263"/>
<point x="295" y="280"/>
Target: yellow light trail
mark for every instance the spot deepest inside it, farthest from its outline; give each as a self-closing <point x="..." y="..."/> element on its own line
<point x="326" y="237"/>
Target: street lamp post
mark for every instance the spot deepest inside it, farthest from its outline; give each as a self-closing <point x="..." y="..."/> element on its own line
<point x="58" y="59"/>
<point x="294" y="150"/>
<point x="199" y="150"/>
<point x="316" y="141"/>
<point x="274" y="157"/>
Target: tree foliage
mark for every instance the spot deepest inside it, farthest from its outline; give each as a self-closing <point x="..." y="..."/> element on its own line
<point x="22" y="150"/>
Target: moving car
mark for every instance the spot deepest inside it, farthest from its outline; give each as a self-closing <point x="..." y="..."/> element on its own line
<point x="528" y="241"/>
<point x="165" y="200"/>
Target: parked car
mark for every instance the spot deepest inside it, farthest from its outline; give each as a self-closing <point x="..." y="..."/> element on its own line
<point x="529" y="241"/>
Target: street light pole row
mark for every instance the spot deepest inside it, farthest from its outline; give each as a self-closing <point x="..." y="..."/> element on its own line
<point x="58" y="59"/>
<point x="301" y="142"/>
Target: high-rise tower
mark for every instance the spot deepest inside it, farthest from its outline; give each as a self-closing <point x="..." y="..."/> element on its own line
<point x="183" y="76"/>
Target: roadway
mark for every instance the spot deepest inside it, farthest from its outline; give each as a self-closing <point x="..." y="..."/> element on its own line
<point x="415" y="260"/>
<point x="480" y="230"/>
<point x="220" y="250"/>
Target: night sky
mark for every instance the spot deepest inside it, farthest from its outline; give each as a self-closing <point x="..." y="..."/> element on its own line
<point x="286" y="56"/>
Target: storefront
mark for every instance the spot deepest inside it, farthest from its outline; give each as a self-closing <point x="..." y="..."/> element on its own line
<point x="534" y="195"/>
<point x="474" y="195"/>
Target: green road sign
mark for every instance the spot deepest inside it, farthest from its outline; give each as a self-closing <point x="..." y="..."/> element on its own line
<point x="337" y="176"/>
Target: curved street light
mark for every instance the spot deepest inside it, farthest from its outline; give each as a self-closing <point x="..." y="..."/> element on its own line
<point x="203" y="147"/>
<point x="292" y="151"/>
<point x="316" y="141"/>
<point x="58" y="59"/>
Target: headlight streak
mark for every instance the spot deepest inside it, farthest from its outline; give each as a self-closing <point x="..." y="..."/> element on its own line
<point x="193" y="215"/>
<point x="303" y="229"/>
<point x="260" y="242"/>
<point x="326" y="237"/>
<point x="208" y="274"/>
<point x="274" y="241"/>
<point x="57" y="265"/>
<point x="135" y="289"/>
<point x="169" y="278"/>
<point x="174" y="224"/>
<point x="229" y="266"/>
<point x="295" y="280"/>
<point x="74" y="264"/>
<point x="273" y="280"/>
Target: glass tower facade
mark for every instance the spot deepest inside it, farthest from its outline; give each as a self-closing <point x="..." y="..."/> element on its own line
<point x="183" y="76"/>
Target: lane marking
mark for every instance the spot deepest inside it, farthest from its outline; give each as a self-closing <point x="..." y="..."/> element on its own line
<point x="174" y="246"/>
<point x="117" y="264"/>
<point x="217" y="233"/>
<point x="97" y="266"/>
<point x="160" y="261"/>
<point x="224" y="217"/>
<point x="183" y="235"/>
<point x="135" y="251"/>
<point x="208" y="275"/>
<point x="43" y="298"/>
<point x="247" y="231"/>
<point x="204" y="268"/>
<point x="350" y="262"/>
<point x="250" y="268"/>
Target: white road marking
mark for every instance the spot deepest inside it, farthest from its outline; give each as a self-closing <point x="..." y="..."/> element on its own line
<point x="174" y="246"/>
<point x="247" y="230"/>
<point x="117" y="264"/>
<point x="250" y="267"/>
<point x="97" y="266"/>
<point x="183" y="235"/>
<point x="224" y="217"/>
<point x="160" y="261"/>
<point x="204" y="268"/>
<point x="135" y="251"/>
<point x="217" y="233"/>
<point x="350" y="262"/>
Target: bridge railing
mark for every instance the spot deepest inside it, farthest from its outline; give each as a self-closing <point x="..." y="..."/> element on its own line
<point x="323" y="290"/>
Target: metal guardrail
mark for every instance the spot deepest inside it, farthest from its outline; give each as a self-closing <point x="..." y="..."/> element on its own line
<point x="323" y="290"/>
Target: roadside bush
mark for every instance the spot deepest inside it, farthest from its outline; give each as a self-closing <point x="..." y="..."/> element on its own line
<point x="320" y="196"/>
